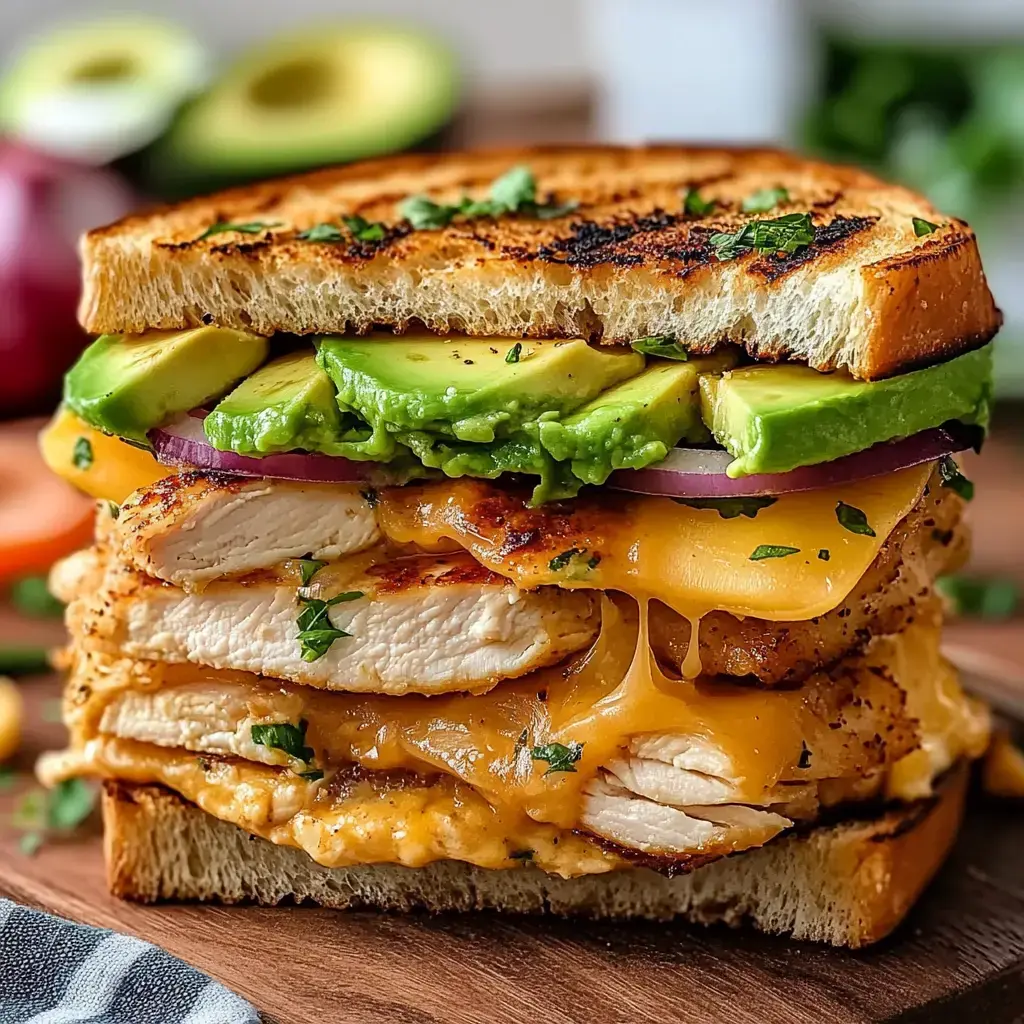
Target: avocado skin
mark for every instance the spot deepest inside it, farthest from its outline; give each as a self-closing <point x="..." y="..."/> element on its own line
<point x="636" y="423"/>
<point x="772" y="419"/>
<point x="129" y="384"/>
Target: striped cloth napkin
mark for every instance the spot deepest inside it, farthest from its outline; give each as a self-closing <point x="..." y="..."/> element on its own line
<point x="55" y="972"/>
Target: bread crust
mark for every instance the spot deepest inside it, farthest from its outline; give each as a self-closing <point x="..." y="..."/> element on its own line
<point x="869" y="295"/>
<point x="847" y="884"/>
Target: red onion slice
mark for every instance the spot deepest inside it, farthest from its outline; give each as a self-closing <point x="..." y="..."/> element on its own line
<point x="700" y="472"/>
<point x="184" y="443"/>
<point x="685" y="473"/>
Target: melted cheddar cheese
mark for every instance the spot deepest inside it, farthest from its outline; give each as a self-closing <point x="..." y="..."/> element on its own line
<point x="692" y="559"/>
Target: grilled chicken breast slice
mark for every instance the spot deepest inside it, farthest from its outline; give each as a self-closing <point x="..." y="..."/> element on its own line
<point x="190" y="528"/>
<point x="423" y="624"/>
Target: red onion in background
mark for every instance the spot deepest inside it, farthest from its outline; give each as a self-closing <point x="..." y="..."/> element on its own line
<point x="45" y="204"/>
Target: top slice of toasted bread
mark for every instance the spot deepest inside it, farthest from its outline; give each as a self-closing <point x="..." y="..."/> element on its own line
<point x="869" y="294"/>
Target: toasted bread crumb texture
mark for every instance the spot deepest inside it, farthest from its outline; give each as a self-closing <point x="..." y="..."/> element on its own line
<point x="848" y="885"/>
<point x="868" y="294"/>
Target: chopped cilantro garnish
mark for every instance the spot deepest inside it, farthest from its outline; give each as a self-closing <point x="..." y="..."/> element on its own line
<point x="763" y="551"/>
<point x="729" y="508"/>
<point x="513" y="354"/>
<point x="923" y="227"/>
<point x="980" y="597"/>
<point x="661" y="345"/>
<point x="694" y="205"/>
<point x="81" y="454"/>
<point x="316" y="633"/>
<point x="252" y="227"/>
<point x="364" y="230"/>
<point x="765" y="199"/>
<point x="951" y="477"/>
<point x="786" y="234"/>
<point x="309" y="567"/>
<point x="853" y="519"/>
<point x="823" y="554"/>
<point x="514" y="192"/>
<point x="285" y="736"/>
<point x="560" y="561"/>
<point x="560" y="757"/>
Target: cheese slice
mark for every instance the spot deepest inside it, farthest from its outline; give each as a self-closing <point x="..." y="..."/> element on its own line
<point x="692" y="559"/>
<point x="117" y="468"/>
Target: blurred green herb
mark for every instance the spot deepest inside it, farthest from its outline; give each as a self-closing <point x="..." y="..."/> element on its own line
<point x="765" y="199"/>
<point x="980" y="597"/>
<point x="20" y="661"/>
<point x="695" y="206"/>
<point x="31" y="596"/>
<point x="951" y="477"/>
<point x="252" y="227"/>
<point x="923" y="227"/>
<point x="40" y="813"/>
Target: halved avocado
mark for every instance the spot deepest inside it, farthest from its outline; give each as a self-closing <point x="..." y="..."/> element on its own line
<point x="102" y="89"/>
<point x="325" y="95"/>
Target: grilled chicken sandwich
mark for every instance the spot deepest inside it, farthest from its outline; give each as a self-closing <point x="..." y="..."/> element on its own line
<point x="548" y="530"/>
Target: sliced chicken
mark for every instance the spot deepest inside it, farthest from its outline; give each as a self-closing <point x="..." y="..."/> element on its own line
<point x="693" y="832"/>
<point x="194" y="527"/>
<point x="424" y="624"/>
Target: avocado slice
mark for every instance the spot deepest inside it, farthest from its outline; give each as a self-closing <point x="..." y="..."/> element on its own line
<point x="635" y="423"/>
<point x="128" y="384"/>
<point x="290" y="404"/>
<point x="467" y="389"/>
<point x="99" y="90"/>
<point x="775" y="418"/>
<point x="329" y="95"/>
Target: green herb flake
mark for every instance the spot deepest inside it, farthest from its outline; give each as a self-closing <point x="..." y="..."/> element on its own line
<point x="314" y="775"/>
<point x="316" y="633"/>
<point x="286" y="737"/>
<point x="23" y="661"/>
<point x="980" y="597"/>
<point x="593" y="561"/>
<point x="515" y="191"/>
<point x="513" y="354"/>
<point x="364" y="230"/>
<point x="853" y="519"/>
<point x="252" y="227"/>
<point x="951" y="477"/>
<point x="81" y="454"/>
<point x="661" y="345"/>
<point x="823" y="554"/>
<point x="787" y="234"/>
<point x="765" y="199"/>
<point x="30" y="843"/>
<point x="521" y="855"/>
<point x="559" y="756"/>
<point x="923" y="227"/>
<point x="694" y="205"/>
<point x="309" y="567"/>
<point x="560" y="561"/>
<point x="763" y="551"/>
<point x="322" y="233"/>
<point x="729" y="508"/>
<point x="114" y="509"/>
<point x="32" y="597"/>
<point x="69" y="803"/>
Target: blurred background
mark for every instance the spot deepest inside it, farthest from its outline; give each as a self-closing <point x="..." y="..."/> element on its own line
<point x="105" y="107"/>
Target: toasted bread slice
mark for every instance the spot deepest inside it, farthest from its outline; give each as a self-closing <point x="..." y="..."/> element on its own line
<point x="869" y="294"/>
<point x="849" y="884"/>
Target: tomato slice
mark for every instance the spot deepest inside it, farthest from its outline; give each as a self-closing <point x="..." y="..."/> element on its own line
<point x="42" y="518"/>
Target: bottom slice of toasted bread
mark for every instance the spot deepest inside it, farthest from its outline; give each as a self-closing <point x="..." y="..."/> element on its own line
<point x="848" y="884"/>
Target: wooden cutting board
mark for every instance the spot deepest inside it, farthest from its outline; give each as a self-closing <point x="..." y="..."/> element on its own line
<point x="959" y="956"/>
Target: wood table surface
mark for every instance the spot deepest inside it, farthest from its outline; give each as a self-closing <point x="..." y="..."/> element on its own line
<point x="959" y="955"/>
